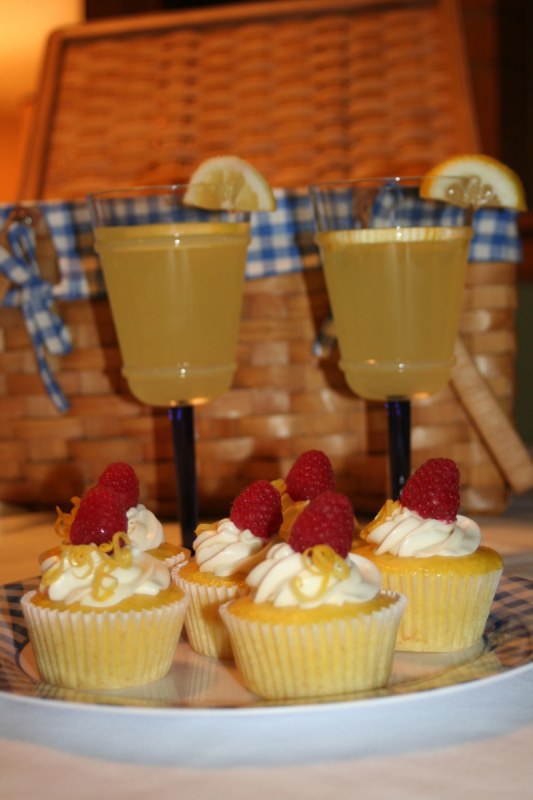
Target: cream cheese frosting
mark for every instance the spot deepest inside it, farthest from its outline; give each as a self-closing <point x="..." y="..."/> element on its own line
<point x="316" y="577"/>
<point x="225" y="549"/>
<point x="403" y="532"/>
<point x="101" y="576"/>
<point x="144" y="529"/>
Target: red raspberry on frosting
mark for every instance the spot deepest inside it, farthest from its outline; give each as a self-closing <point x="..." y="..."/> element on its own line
<point x="258" y="509"/>
<point x="327" y="519"/>
<point x="121" y="479"/>
<point x="433" y="490"/>
<point x="98" y="518"/>
<point x="311" y="474"/>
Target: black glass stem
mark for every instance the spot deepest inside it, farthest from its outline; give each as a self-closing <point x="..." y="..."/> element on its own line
<point x="182" y="422"/>
<point x="399" y="427"/>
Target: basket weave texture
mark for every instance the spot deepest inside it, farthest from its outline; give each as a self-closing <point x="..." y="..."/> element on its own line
<point x="306" y="91"/>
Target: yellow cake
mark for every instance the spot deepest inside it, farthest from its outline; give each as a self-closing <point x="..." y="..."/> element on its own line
<point x="286" y="654"/>
<point x="224" y="552"/>
<point x="447" y="576"/>
<point x="99" y="641"/>
<point x="316" y="622"/>
<point x="449" y="599"/>
<point x="106" y="614"/>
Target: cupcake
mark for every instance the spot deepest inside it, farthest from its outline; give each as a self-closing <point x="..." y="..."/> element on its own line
<point x="224" y="552"/>
<point x="316" y="622"/>
<point x="106" y="614"/>
<point x="142" y="526"/>
<point x="311" y="474"/>
<point x="432" y="554"/>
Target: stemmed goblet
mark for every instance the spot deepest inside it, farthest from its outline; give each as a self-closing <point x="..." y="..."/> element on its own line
<point x="395" y="265"/>
<point x="174" y="275"/>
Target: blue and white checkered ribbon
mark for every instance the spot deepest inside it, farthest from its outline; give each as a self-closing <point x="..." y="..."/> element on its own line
<point x="35" y="297"/>
<point x="281" y="243"/>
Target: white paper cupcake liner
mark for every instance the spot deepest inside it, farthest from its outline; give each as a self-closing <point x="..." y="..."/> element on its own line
<point x="205" y="630"/>
<point x="444" y="612"/>
<point x="339" y="656"/>
<point x="100" y="650"/>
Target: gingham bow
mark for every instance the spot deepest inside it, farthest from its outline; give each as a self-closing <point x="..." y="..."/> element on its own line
<point x="35" y="298"/>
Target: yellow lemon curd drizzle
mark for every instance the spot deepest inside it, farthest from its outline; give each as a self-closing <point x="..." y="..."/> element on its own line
<point x="321" y="560"/>
<point x="80" y="557"/>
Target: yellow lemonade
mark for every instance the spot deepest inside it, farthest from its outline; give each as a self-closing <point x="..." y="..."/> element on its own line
<point x="175" y="292"/>
<point x="396" y="299"/>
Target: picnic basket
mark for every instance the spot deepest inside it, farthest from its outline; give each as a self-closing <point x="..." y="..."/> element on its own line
<point x="306" y="91"/>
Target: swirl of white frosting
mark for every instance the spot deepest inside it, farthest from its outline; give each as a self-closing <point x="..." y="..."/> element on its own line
<point x="288" y="578"/>
<point x="226" y="549"/>
<point x="96" y="581"/>
<point x="144" y="529"/>
<point x="405" y="533"/>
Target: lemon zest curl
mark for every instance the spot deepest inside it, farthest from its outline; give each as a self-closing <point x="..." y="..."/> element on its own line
<point x="64" y="520"/>
<point x="386" y="511"/>
<point x="321" y="560"/>
<point x="113" y="556"/>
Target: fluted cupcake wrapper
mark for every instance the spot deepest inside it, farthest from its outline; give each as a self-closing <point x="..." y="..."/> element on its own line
<point x="283" y="661"/>
<point x="103" y="650"/>
<point x="444" y="612"/>
<point x="205" y="630"/>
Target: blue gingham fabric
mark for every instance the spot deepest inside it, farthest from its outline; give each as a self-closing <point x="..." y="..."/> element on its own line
<point x="35" y="298"/>
<point x="281" y="243"/>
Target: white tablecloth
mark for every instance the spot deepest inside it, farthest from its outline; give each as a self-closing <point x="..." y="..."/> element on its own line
<point x="470" y="741"/>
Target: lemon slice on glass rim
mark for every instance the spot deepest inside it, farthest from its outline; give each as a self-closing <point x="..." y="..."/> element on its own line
<point x="229" y="183"/>
<point x="477" y="181"/>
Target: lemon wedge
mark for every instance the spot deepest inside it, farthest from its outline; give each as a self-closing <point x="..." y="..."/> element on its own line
<point x="475" y="180"/>
<point x="229" y="183"/>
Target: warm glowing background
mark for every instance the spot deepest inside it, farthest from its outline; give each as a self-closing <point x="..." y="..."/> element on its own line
<point x="24" y="28"/>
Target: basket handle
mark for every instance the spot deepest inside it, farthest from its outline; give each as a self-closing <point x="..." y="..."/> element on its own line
<point x="493" y="424"/>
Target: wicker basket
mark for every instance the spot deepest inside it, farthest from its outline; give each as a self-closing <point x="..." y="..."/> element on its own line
<point x="306" y="91"/>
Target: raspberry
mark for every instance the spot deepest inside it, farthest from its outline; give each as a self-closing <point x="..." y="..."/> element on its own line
<point x="99" y="517"/>
<point x="121" y="479"/>
<point x="311" y="474"/>
<point x="258" y="508"/>
<point x="433" y="490"/>
<point x="327" y="519"/>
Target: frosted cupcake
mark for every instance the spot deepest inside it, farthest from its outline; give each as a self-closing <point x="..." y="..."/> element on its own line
<point x="433" y="555"/>
<point x="316" y="622"/>
<point x="224" y="553"/>
<point x="142" y="526"/>
<point x="106" y="614"/>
